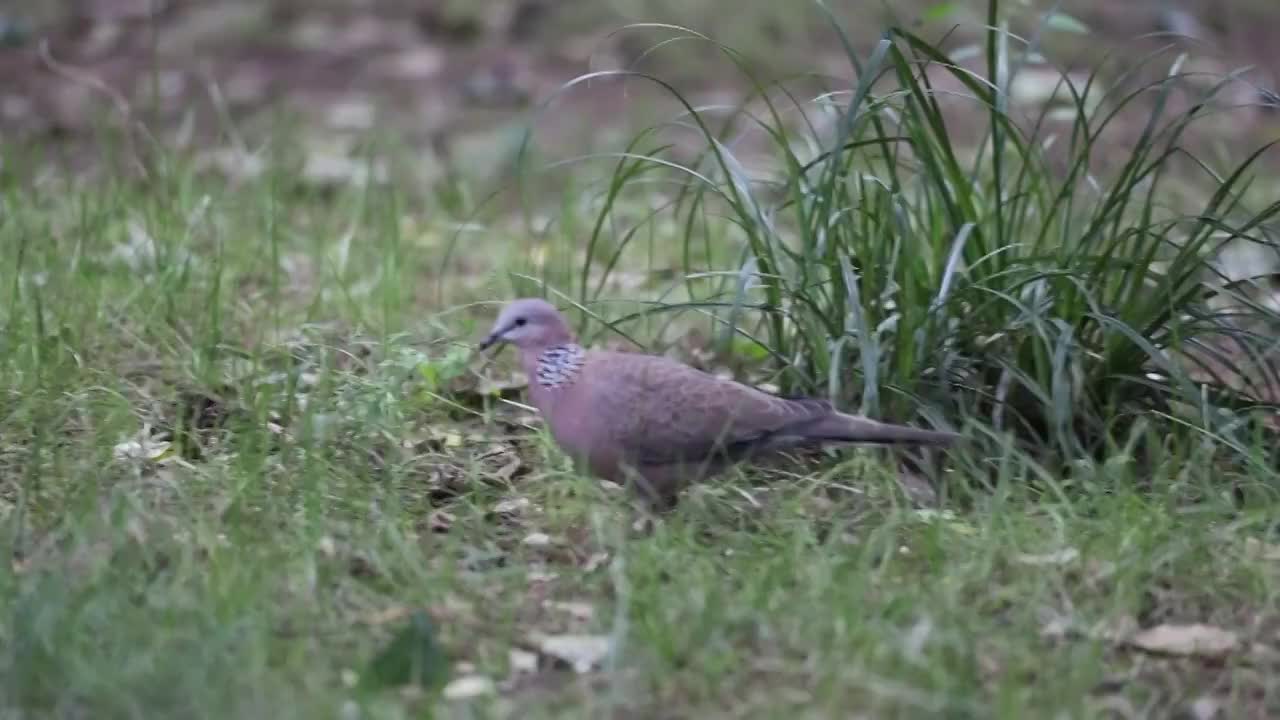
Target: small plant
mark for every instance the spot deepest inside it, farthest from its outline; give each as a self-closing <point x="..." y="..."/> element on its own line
<point x="1009" y="280"/>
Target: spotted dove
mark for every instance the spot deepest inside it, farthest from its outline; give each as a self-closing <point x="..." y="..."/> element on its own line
<point x="657" y="422"/>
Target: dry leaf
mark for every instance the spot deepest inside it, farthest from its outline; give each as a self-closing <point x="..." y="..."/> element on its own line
<point x="327" y="547"/>
<point x="440" y="521"/>
<point x="929" y="515"/>
<point x="917" y="489"/>
<point x="351" y="114"/>
<point x="507" y="471"/>
<point x="1115" y="629"/>
<point x="522" y="661"/>
<point x="508" y="386"/>
<point x="469" y="687"/>
<point x="536" y="539"/>
<point x="1118" y="629"/>
<point x="511" y="506"/>
<point x="916" y="639"/>
<point x="577" y="610"/>
<point x="522" y="420"/>
<point x="1190" y="640"/>
<point x="594" y="562"/>
<point x="390" y="614"/>
<point x="1057" y="627"/>
<point x="580" y="652"/>
<point x="1258" y="550"/>
<point x="1206" y="707"/>
<point x="233" y="163"/>
<point x="444" y="438"/>
<point x="331" y="169"/>
<point x="417" y="63"/>
<point x="142" y="447"/>
<point x="1058" y="557"/>
<point x="990" y="665"/>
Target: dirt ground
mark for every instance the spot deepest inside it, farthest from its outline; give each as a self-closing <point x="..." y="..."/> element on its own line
<point x="453" y="77"/>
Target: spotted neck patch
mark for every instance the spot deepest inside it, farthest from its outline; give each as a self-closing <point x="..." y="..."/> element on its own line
<point x="559" y="365"/>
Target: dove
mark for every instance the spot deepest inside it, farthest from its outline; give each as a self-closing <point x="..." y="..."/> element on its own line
<point x="656" y="425"/>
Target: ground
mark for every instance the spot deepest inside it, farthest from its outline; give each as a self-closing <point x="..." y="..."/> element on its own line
<point x="250" y="465"/>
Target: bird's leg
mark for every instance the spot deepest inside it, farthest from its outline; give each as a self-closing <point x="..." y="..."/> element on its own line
<point x="647" y="505"/>
<point x="654" y="486"/>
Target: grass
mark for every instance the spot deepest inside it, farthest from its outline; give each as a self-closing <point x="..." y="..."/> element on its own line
<point x="243" y="442"/>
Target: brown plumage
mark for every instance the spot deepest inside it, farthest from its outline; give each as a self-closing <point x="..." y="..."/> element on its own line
<point x="658" y="423"/>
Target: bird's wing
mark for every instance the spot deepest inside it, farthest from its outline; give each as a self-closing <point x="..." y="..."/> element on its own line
<point x="659" y="411"/>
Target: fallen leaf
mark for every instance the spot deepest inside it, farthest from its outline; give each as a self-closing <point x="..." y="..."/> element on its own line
<point x="1058" y="557"/>
<point x="529" y="421"/>
<point x="390" y="614"/>
<point x="577" y="610"/>
<point x="351" y="114"/>
<point x="136" y="531"/>
<point x="580" y="652"/>
<point x="1258" y="550"/>
<point x="594" y="562"/>
<point x="508" y="386"/>
<point x="327" y="547"/>
<point x="536" y="539"/>
<point x="916" y="639"/>
<point x="142" y="447"/>
<point x="929" y="515"/>
<point x="1261" y="655"/>
<point x="1098" y="570"/>
<point x="990" y="665"/>
<point x="1206" y="707"/>
<point x="620" y="280"/>
<point x="916" y="487"/>
<point x="232" y="163"/>
<point x="522" y="661"/>
<point x="483" y="559"/>
<point x="1045" y="86"/>
<point x="440" y="521"/>
<point x="1188" y="640"/>
<point x="327" y="169"/>
<point x="1117" y="629"/>
<point x="512" y="506"/>
<point x="139" y="252"/>
<point x="417" y="63"/>
<point x="1057" y="627"/>
<point x="542" y="576"/>
<point x="508" y="471"/>
<point x="469" y="687"/>
<point x="444" y="438"/>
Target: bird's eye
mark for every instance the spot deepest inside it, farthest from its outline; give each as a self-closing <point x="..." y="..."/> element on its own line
<point x="521" y="322"/>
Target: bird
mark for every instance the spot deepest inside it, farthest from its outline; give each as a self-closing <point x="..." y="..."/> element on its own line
<point x="656" y="425"/>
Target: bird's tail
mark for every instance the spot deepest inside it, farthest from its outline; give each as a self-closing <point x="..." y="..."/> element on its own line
<point x="841" y="427"/>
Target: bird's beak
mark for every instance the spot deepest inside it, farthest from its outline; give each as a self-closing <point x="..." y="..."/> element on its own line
<point x="495" y="337"/>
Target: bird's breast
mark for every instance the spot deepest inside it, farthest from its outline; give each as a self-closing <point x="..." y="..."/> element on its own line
<point x="581" y="432"/>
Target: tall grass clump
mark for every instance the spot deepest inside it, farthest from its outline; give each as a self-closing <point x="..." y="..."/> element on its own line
<point x="1008" y="280"/>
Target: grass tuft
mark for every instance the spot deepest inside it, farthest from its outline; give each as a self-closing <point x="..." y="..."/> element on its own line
<point x="1018" y="281"/>
<point x="249" y="465"/>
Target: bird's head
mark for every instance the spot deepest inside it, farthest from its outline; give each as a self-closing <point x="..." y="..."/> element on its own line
<point x="529" y="323"/>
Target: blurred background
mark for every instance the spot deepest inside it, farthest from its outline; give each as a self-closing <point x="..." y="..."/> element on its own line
<point x="452" y="78"/>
